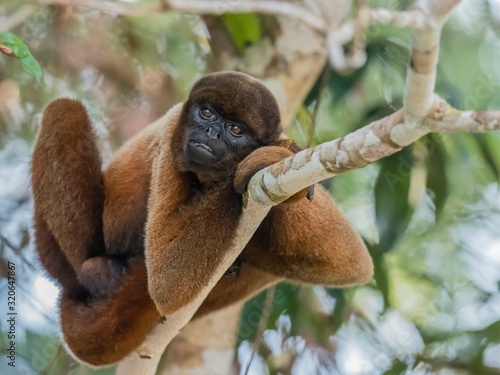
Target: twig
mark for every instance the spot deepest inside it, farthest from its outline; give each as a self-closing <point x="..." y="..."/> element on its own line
<point x="237" y="6"/>
<point x="18" y="17"/>
<point x="357" y="53"/>
<point x="355" y="31"/>
<point x="53" y="361"/>
<point x="202" y="7"/>
<point x="314" y="117"/>
<point x="443" y="117"/>
<point x="266" y="310"/>
<point x="6" y="50"/>
<point x="17" y="250"/>
<point x="121" y="9"/>
<point x="413" y="18"/>
<point x="336" y="37"/>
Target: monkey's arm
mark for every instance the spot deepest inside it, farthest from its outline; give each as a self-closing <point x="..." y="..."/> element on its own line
<point x="187" y="234"/>
<point x="306" y="241"/>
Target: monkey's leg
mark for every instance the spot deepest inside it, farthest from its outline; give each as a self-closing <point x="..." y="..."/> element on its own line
<point x="51" y="256"/>
<point x="106" y="330"/>
<point x="68" y="194"/>
<point x="310" y="242"/>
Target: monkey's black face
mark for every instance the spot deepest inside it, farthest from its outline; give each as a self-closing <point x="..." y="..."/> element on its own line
<point x="215" y="141"/>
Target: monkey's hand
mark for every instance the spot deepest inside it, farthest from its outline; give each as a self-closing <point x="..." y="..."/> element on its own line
<point x="260" y="159"/>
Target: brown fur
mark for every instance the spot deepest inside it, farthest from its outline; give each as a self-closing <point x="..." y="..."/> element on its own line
<point x="57" y="190"/>
<point x="323" y="249"/>
<point x="105" y="331"/>
<point x="189" y="225"/>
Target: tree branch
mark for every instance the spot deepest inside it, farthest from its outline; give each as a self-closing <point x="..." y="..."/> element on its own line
<point x="420" y="18"/>
<point x="421" y="77"/>
<point x="202" y="7"/>
<point x="205" y="346"/>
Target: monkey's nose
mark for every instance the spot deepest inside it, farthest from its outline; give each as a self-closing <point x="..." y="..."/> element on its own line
<point x="212" y="133"/>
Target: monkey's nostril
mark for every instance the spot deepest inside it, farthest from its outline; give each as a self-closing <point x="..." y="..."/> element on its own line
<point x="207" y="130"/>
<point x="218" y="135"/>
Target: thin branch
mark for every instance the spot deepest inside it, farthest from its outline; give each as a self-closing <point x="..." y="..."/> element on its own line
<point x="7" y="51"/>
<point x="16" y="18"/>
<point x="414" y="19"/>
<point x="202" y="7"/>
<point x="121" y="9"/>
<point x="250" y="6"/>
<point x="421" y="77"/>
<point x="446" y="118"/>
<point x="355" y="30"/>
<point x="336" y="37"/>
<point x="325" y="76"/>
<point x="53" y="361"/>
<point x="266" y="310"/>
<point x="357" y="53"/>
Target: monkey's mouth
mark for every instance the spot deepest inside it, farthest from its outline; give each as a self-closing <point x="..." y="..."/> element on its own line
<point x="203" y="146"/>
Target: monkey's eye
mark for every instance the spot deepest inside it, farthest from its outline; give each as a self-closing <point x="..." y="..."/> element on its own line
<point x="207" y="114"/>
<point x="235" y="130"/>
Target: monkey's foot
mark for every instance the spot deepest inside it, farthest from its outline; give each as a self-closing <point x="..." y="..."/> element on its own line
<point x="101" y="275"/>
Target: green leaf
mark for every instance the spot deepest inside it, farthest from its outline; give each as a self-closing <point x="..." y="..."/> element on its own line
<point x="392" y="210"/>
<point x="397" y="368"/>
<point x="244" y="29"/>
<point x="484" y="148"/>
<point x="250" y="318"/>
<point x="285" y="300"/>
<point x="339" y="311"/>
<point x="477" y="361"/>
<point x="339" y="84"/>
<point x="380" y="274"/>
<point x="436" y="174"/>
<point x="21" y="51"/>
<point x="492" y="332"/>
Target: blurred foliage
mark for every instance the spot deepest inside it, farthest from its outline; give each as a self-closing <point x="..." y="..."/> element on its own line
<point x="21" y="51"/>
<point x="244" y="29"/>
<point x="429" y="214"/>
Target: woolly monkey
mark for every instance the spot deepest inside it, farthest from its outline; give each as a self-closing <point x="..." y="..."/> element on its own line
<point x="170" y="202"/>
